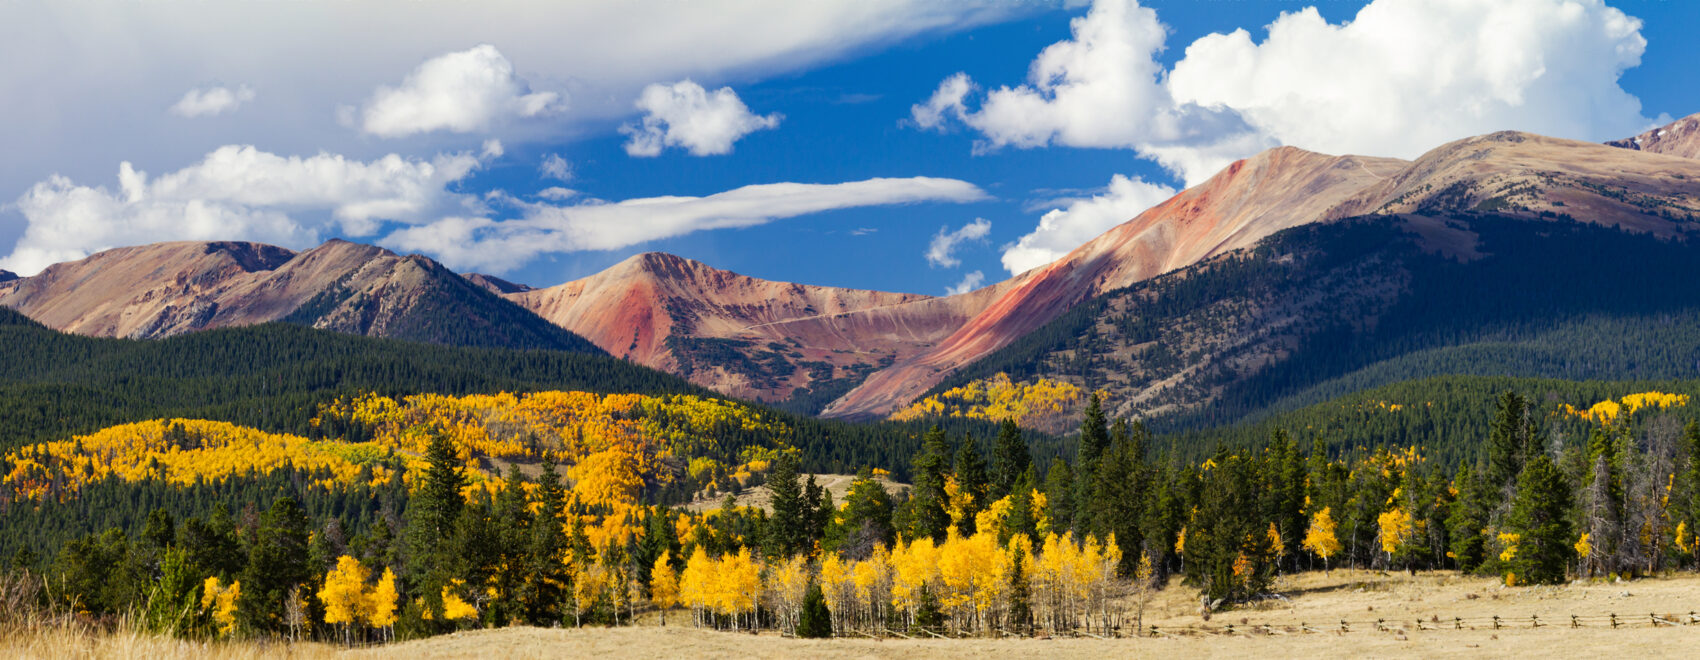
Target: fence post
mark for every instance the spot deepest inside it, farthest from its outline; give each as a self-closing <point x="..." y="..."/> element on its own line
<point x="1536" y="618"/>
<point x="1380" y="624"/>
<point x="1343" y="627"/>
<point x="1457" y="623"/>
<point x="1614" y="620"/>
<point x="1574" y="623"/>
<point x="1496" y="622"/>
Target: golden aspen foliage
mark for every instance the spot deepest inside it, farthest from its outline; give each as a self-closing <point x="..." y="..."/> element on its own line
<point x="1583" y="547"/>
<point x="381" y="601"/>
<point x="1321" y="538"/>
<point x="998" y="398"/>
<point x="220" y="602"/>
<point x="344" y="595"/>
<point x="663" y="582"/>
<point x="455" y="607"/>
<point x="1396" y="529"/>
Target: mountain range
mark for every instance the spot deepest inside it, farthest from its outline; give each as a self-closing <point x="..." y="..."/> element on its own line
<point x="1217" y="302"/>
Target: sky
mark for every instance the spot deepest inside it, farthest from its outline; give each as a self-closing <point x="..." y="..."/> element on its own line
<point x="927" y="146"/>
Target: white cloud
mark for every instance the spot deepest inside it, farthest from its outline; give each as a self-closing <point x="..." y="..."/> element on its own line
<point x="1402" y="77"/>
<point x="212" y="101"/>
<point x="235" y="192"/>
<point x="945" y="104"/>
<point x="1062" y="230"/>
<point x="475" y="243"/>
<point x="1405" y="76"/>
<point x="557" y="193"/>
<point x="556" y="167"/>
<point x="683" y="114"/>
<point x="462" y="92"/>
<point x="940" y="252"/>
<point x="1103" y="88"/>
<point x="969" y="282"/>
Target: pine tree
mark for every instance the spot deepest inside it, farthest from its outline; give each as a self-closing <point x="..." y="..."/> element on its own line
<point x="1059" y="496"/>
<point x="815" y="622"/>
<point x="971" y="482"/>
<point x="277" y="563"/>
<point x="1020" y="595"/>
<point x="1094" y="441"/>
<point x="928" y="500"/>
<point x="1010" y="458"/>
<point x="1467" y="520"/>
<point x="1511" y="442"/>
<point x="787" y="529"/>
<point x="545" y="593"/>
<point x="1540" y="519"/>
<point x="432" y="514"/>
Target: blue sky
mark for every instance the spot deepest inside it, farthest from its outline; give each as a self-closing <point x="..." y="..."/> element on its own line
<point x="433" y="135"/>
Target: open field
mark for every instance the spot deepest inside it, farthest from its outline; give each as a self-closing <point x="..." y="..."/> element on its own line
<point x="1317" y="600"/>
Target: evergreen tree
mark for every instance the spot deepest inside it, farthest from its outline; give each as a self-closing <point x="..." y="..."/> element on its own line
<point x="867" y="518"/>
<point x="1094" y="441"/>
<point x="820" y="507"/>
<point x="1020" y="596"/>
<point x="1010" y="458"/>
<point x="1603" y="502"/>
<point x="545" y="594"/>
<point x="1020" y="520"/>
<point x="1540" y="517"/>
<point x="971" y="482"/>
<point x="788" y="529"/>
<point x="1511" y="441"/>
<point x="1468" y="519"/>
<point x="815" y="621"/>
<point x="432" y="513"/>
<point x="277" y="562"/>
<point x="1059" y="496"/>
<point x="928" y="500"/>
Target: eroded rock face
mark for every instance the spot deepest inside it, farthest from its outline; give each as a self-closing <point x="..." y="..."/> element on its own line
<point x="1680" y="138"/>
<point x="741" y="335"/>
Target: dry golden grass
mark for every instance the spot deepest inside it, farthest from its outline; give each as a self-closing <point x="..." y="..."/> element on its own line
<point x="1315" y="599"/>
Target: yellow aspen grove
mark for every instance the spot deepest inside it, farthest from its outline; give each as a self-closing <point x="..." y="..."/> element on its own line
<point x="912" y="566"/>
<point x="839" y="586"/>
<point x="344" y="595"/>
<point x="739" y="581"/>
<point x="696" y="583"/>
<point x="1321" y="538"/>
<point x="873" y="578"/>
<point x="221" y="603"/>
<point x="663" y="585"/>
<point x="589" y="585"/>
<point x="787" y="583"/>
<point x="381" y="602"/>
<point x="1395" y="525"/>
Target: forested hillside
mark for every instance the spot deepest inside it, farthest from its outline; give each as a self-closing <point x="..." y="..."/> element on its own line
<point x="1324" y="310"/>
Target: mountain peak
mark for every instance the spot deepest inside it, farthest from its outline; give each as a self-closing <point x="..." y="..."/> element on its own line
<point x="1679" y="138"/>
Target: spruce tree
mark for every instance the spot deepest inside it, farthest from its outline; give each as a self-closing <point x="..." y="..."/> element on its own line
<point x="1010" y="458"/>
<point x="277" y="562"/>
<point x="971" y="482"/>
<point x="1540" y="518"/>
<point x="1094" y="441"/>
<point x="1020" y="596"/>
<point x="815" y="621"/>
<point x="788" y="527"/>
<point x="928" y="498"/>
<point x="1511" y="441"/>
<point x="432" y="512"/>
<point x="1467" y="518"/>
<point x="1059" y="496"/>
<point x="545" y="593"/>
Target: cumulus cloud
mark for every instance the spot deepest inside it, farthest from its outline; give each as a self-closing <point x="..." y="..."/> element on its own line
<point x="556" y="167"/>
<point x="212" y="101"/>
<point x="941" y="251"/>
<point x="235" y="192"/>
<point x="1400" y="78"/>
<point x="1062" y="230"/>
<point x="485" y="244"/>
<point x="461" y="92"/>
<point x="1404" y="76"/>
<point x="969" y="282"/>
<point x="685" y="115"/>
<point x="1102" y="88"/>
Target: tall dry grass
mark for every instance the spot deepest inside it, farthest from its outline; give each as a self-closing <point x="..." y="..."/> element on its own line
<point x="33" y="626"/>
